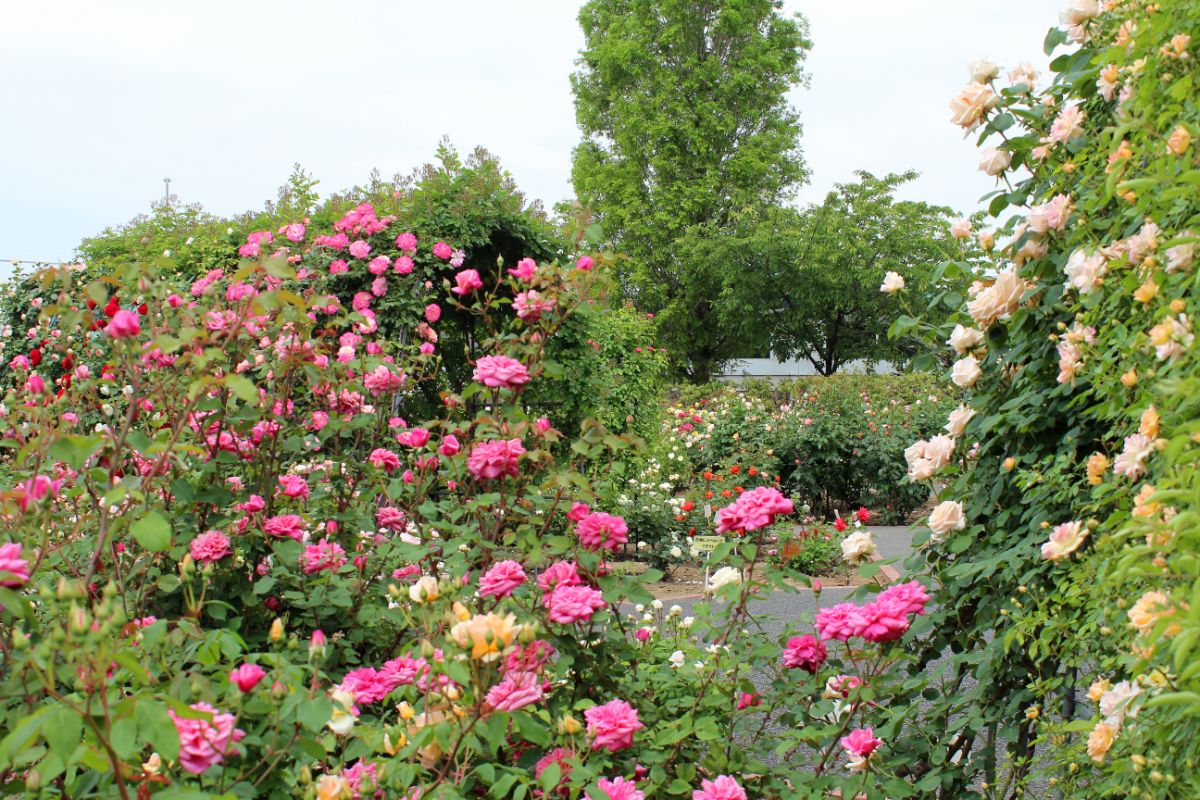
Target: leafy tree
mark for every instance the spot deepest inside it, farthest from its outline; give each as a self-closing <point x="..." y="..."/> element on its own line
<point x="805" y="283"/>
<point x="684" y="113"/>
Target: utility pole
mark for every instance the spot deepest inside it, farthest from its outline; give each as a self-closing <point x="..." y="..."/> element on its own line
<point x="166" y="191"/>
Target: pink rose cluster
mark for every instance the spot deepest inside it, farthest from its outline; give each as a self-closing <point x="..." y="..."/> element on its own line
<point x="882" y="620"/>
<point x="500" y="372"/>
<point x="723" y="787"/>
<point x="617" y="789"/>
<point x="494" y="459"/>
<point x="204" y="743"/>
<point x="370" y="685"/>
<point x="565" y="595"/>
<point x="754" y="509"/>
<point x="611" y="726"/>
<point x="600" y="531"/>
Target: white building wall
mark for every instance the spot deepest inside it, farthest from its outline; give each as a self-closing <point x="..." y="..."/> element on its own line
<point x="774" y="370"/>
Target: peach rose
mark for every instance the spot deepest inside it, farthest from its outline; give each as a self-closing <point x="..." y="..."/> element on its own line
<point x="939" y="449"/>
<point x="998" y="300"/>
<point x="947" y="516"/>
<point x="857" y="546"/>
<point x="1064" y="540"/>
<point x="961" y="229"/>
<point x="892" y="283"/>
<point x="959" y="418"/>
<point x="994" y="161"/>
<point x="966" y="372"/>
<point x="1179" y="141"/>
<point x="982" y="71"/>
<point x="963" y="339"/>
<point x="1085" y="271"/>
<point x="969" y="105"/>
<point x="1100" y="741"/>
<point x="1079" y="12"/>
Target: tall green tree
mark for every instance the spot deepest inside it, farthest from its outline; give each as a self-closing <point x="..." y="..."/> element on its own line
<point x="685" y="120"/>
<point x="806" y="283"/>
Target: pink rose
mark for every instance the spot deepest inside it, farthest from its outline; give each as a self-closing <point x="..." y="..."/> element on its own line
<point x="806" y="652"/>
<point x="407" y="242"/>
<point x="209" y="547"/>
<point x="14" y="570"/>
<point x="442" y="250"/>
<point x="618" y="789"/>
<point x="585" y="263"/>
<point x="360" y="249"/>
<point x="289" y="525"/>
<point x="860" y="742"/>
<point x="517" y="690"/>
<point x="497" y="372"/>
<point x="558" y="574"/>
<point x="383" y="459"/>
<point x="247" y="676"/>
<point x="840" y="621"/>
<point x="599" y="531"/>
<point x="611" y="726"/>
<point x="501" y="580"/>
<point x="571" y="604"/>
<point x="433" y="312"/>
<point x="578" y="511"/>
<point x="526" y="269"/>
<point x="322" y="556"/>
<point x="754" y="509"/>
<point x="204" y="743"/>
<point x="123" y="325"/>
<point x="723" y="788"/>
<point x="491" y="460"/>
<point x="466" y="282"/>
<point x="450" y="445"/>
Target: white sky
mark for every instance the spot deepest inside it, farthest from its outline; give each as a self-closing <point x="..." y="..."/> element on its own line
<point x="102" y="100"/>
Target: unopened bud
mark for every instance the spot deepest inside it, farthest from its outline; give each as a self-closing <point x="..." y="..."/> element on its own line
<point x="276" y="630"/>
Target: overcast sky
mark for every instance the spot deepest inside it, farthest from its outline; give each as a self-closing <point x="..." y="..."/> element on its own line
<point x="102" y="100"/>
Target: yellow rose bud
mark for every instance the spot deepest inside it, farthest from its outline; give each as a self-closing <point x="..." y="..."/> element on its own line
<point x="1177" y="306"/>
<point x="1146" y="292"/>
<point x="276" y="630"/>
<point x="1032" y="713"/>
<point x="1129" y="379"/>
<point x="569" y="726"/>
<point x="1009" y="464"/>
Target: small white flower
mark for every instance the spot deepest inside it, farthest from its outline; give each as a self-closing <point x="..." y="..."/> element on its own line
<point x="657" y="604"/>
<point x="677" y="658"/>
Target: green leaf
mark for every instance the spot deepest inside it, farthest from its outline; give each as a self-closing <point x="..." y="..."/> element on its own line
<point x="243" y="387"/>
<point x="152" y="531"/>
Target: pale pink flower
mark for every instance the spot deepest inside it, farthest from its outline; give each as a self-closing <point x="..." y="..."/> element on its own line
<point x="611" y="726"/>
<point x="360" y="249"/>
<point x="1132" y="460"/>
<point x="203" y="743"/>
<point x="1067" y="124"/>
<point x="531" y="305"/>
<point x="363" y="779"/>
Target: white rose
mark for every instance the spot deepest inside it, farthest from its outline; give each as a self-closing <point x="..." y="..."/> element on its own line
<point x="947" y="516"/>
<point x="656" y="604"/>
<point x="959" y="418"/>
<point x="939" y="449"/>
<point x="723" y="577"/>
<point x="677" y="658"/>
<point x="857" y="546"/>
<point x="994" y="161"/>
<point x="676" y="552"/>
<point x="982" y="71"/>
<point x="892" y="283"/>
<point x="963" y="338"/>
<point x="966" y="372"/>
<point x="961" y="229"/>
<point x="1079" y="12"/>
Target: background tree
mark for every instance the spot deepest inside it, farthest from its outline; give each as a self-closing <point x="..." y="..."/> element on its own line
<point x="805" y="283"/>
<point x="685" y="120"/>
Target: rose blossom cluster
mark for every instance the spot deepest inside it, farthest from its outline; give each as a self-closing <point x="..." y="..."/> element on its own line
<point x="754" y="509"/>
<point x="882" y="620"/>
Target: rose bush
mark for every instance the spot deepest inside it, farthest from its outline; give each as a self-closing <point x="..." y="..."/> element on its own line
<point x="1063" y="548"/>
<point x="235" y="564"/>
